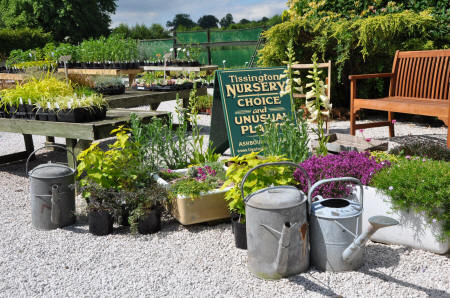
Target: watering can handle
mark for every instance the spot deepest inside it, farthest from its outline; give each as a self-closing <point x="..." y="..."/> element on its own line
<point x="273" y="164"/>
<point x="56" y="146"/>
<point x="339" y="179"/>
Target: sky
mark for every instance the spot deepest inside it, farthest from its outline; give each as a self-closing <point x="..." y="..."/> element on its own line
<point x="160" y="11"/>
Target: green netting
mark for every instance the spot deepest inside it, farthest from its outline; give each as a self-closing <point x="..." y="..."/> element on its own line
<point x="236" y="35"/>
<point x="148" y="49"/>
<point x="192" y="37"/>
<point x="235" y="56"/>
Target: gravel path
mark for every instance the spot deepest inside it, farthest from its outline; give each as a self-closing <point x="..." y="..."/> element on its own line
<point x="196" y="261"/>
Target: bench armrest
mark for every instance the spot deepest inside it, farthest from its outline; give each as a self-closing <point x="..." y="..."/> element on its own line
<point x="369" y="76"/>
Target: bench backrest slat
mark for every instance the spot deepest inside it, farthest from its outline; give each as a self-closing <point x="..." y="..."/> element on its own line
<point x="421" y="74"/>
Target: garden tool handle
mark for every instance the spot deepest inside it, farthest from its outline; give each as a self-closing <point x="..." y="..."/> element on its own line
<point x="280" y="163"/>
<point x="55" y="146"/>
<point x="339" y="179"/>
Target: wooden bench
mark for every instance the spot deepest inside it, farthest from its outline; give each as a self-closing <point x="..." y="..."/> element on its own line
<point x="419" y="84"/>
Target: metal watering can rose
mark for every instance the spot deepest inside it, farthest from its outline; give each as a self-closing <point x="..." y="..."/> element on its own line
<point x="277" y="228"/>
<point x="337" y="243"/>
<point x="51" y="193"/>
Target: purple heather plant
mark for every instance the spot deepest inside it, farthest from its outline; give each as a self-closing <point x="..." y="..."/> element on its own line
<point x="359" y="165"/>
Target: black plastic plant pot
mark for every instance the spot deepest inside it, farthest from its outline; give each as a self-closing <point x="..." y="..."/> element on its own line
<point x="150" y="223"/>
<point x="13" y="109"/>
<point x="76" y="115"/>
<point x="30" y="111"/>
<point x="51" y="114"/>
<point x="100" y="223"/>
<point x="240" y="232"/>
<point x="41" y="114"/>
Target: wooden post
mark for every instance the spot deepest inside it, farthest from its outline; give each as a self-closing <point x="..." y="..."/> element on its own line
<point x="352" y="106"/>
<point x="208" y="48"/>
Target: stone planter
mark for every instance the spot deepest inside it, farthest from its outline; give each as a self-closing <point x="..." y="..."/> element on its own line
<point x="207" y="207"/>
<point x="413" y="231"/>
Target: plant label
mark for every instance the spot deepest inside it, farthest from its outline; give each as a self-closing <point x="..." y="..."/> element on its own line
<point x="244" y="99"/>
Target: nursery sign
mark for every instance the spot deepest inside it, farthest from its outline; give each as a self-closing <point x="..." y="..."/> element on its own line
<point x="249" y="97"/>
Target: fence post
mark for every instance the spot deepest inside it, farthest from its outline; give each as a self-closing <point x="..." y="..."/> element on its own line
<point x="208" y="48"/>
<point x="174" y="44"/>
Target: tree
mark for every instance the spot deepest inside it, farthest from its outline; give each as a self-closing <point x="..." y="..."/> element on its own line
<point x="208" y="21"/>
<point x="226" y="21"/>
<point x="244" y="21"/>
<point x="76" y="19"/>
<point x="181" y="19"/>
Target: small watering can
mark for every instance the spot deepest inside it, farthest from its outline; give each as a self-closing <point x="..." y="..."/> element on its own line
<point x="277" y="229"/>
<point x="336" y="239"/>
<point x="51" y="193"/>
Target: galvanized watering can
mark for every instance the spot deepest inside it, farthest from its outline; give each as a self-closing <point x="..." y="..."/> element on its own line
<point x="337" y="243"/>
<point x="51" y="193"/>
<point x="277" y="229"/>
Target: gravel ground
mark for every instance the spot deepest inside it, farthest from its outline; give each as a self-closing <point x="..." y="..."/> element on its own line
<point x="195" y="261"/>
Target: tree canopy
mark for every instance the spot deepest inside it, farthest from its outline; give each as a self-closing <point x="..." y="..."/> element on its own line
<point x="181" y="20"/>
<point x="226" y="21"/>
<point x="76" y="19"/>
<point x="155" y="31"/>
<point x="208" y="21"/>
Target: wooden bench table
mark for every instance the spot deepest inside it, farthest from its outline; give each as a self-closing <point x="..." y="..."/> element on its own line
<point x="419" y="84"/>
<point x="78" y="135"/>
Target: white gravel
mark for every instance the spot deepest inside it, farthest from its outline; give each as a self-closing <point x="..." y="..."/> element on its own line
<point x="196" y="261"/>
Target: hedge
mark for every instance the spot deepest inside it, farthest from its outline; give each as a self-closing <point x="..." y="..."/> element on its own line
<point x="26" y="38"/>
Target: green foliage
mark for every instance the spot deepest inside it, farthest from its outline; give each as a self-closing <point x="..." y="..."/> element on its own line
<point x="199" y="179"/>
<point x="142" y="201"/>
<point x="141" y="31"/>
<point x="260" y="178"/>
<point x="355" y="44"/>
<point x="423" y="149"/>
<point x="24" y="39"/>
<point x="204" y="102"/>
<point x="107" y="81"/>
<point x="421" y="185"/>
<point x="381" y="156"/>
<point x="162" y="144"/>
<point x="287" y="139"/>
<point x="65" y="18"/>
<point x="169" y="175"/>
<point x="200" y="155"/>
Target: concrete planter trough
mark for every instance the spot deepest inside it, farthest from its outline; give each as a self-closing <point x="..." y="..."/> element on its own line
<point x="207" y="207"/>
<point x="414" y="230"/>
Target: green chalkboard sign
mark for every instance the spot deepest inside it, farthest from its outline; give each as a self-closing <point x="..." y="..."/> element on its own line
<point x="249" y="97"/>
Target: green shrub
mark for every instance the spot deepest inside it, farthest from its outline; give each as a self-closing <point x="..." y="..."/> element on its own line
<point x="26" y="38"/>
<point x="423" y="149"/>
<point x="355" y="44"/>
<point x="421" y="185"/>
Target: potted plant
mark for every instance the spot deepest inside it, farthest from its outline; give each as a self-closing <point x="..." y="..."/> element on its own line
<point x="195" y="194"/>
<point x="238" y="166"/>
<point x="108" y="85"/>
<point x="145" y="204"/>
<point x="101" y="206"/>
<point x="414" y="190"/>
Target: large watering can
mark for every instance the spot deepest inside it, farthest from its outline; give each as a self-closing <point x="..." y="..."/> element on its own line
<point x="51" y="193"/>
<point x="337" y="243"/>
<point x="277" y="229"/>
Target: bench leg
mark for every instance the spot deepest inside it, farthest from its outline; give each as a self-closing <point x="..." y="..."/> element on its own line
<point x="391" y="125"/>
<point x="448" y="136"/>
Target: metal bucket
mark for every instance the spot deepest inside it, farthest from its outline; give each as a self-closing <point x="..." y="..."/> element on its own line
<point x="51" y="193"/>
<point x="277" y="229"/>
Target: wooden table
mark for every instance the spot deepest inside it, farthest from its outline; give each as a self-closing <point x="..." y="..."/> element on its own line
<point x="78" y="135"/>
<point x="17" y="77"/>
<point x="105" y="72"/>
<point x="135" y="98"/>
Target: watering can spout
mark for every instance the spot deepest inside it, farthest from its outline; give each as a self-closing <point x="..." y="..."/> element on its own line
<point x="376" y="222"/>
<point x="281" y="261"/>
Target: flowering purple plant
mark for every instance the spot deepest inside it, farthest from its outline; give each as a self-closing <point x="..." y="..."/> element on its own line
<point x="204" y="172"/>
<point x="359" y="165"/>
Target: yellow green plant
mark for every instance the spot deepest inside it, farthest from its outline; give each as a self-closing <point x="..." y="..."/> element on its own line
<point x="260" y="178"/>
